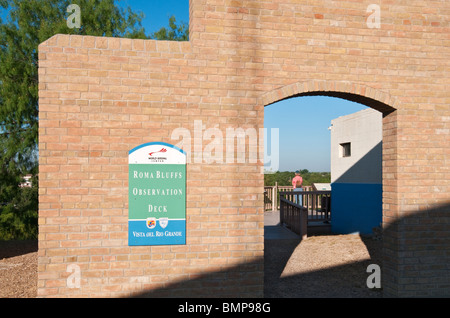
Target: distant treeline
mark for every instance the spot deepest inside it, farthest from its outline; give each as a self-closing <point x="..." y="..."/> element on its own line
<point x="284" y="178"/>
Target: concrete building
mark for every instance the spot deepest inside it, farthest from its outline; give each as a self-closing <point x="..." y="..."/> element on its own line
<point x="356" y="172"/>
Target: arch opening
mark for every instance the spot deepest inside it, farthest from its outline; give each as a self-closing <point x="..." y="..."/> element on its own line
<point x="367" y="101"/>
<point x="382" y="193"/>
<point x="339" y="146"/>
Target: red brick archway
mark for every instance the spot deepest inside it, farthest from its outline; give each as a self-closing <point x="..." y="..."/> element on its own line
<point x="377" y="100"/>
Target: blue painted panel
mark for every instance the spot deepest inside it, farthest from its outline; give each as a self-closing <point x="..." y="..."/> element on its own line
<point x="171" y="234"/>
<point x="355" y="207"/>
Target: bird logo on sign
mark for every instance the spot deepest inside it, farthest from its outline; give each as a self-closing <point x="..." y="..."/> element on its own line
<point x="162" y="150"/>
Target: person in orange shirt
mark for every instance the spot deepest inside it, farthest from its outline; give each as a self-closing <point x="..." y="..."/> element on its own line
<point x="297" y="182"/>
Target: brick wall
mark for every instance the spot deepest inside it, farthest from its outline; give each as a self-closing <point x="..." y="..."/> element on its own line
<point x="101" y="97"/>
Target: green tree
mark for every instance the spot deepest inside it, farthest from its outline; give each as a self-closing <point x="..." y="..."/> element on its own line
<point x="30" y="23"/>
<point x="175" y="32"/>
<point x="284" y="178"/>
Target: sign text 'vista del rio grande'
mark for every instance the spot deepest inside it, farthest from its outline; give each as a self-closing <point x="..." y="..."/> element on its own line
<point x="157" y="195"/>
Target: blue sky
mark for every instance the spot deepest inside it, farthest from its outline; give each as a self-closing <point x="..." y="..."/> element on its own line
<point x="157" y="12"/>
<point x="303" y="121"/>
<point x="303" y="129"/>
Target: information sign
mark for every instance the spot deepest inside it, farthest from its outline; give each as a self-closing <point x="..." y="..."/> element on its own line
<point x="156" y="195"/>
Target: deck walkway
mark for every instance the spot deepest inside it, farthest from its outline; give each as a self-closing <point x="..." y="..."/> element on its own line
<point x="274" y="231"/>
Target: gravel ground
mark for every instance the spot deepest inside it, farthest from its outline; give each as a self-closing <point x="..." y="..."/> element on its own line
<point x="320" y="266"/>
<point x="18" y="269"/>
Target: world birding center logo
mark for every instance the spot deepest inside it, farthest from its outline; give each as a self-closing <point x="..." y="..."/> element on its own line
<point x="154" y="158"/>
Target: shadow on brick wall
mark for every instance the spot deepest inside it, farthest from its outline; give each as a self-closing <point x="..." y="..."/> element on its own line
<point x="424" y="266"/>
<point x="244" y="280"/>
<point x="423" y="250"/>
